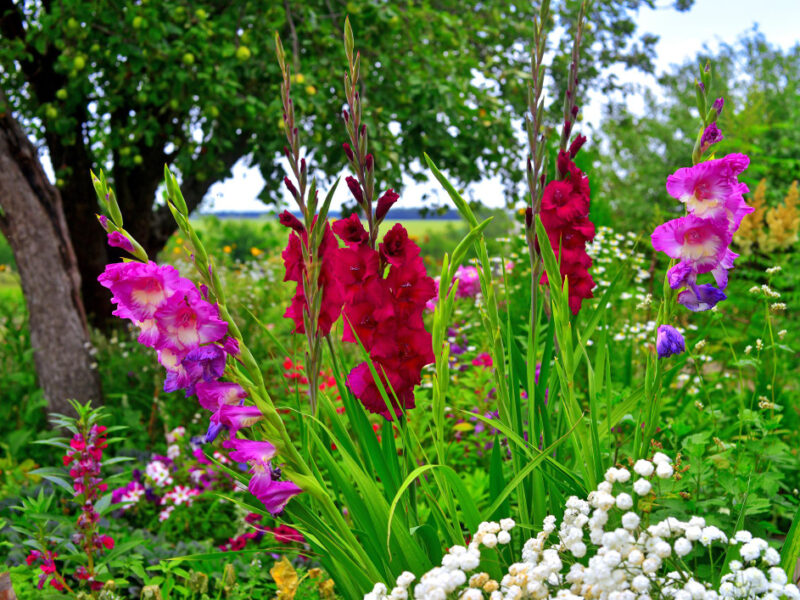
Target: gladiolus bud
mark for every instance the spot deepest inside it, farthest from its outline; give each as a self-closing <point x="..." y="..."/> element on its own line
<point x="529" y="217"/>
<point x="290" y="186"/>
<point x="718" y="103"/>
<point x="576" y="145"/>
<point x="346" y="116"/>
<point x="355" y="189"/>
<point x="287" y="219"/>
<point x="369" y="162"/>
<point x="574" y="111"/>
<point x="385" y="202"/>
<point x="348" y="151"/>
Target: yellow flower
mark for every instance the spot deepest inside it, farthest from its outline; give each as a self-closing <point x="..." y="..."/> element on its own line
<point x="326" y="589"/>
<point x="176" y="250"/>
<point x="179" y="240"/>
<point x="298" y="78"/>
<point x="783" y="222"/>
<point x="311" y="90"/>
<point x="285" y="578"/>
<point x="255" y="251"/>
<point x="750" y="229"/>
<point x="227" y="249"/>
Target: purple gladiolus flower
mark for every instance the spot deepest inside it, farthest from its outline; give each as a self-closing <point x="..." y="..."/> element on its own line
<point x="669" y="341"/>
<point x="206" y="363"/>
<point x="237" y="417"/>
<point x="698" y="298"/>
<point x="700" y="241"/>
<point x="718" y="104"/>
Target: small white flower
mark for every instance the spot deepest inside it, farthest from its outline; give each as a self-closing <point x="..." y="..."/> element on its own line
<point x="640" y="583"/>
<point x="630" y="520"/>
<point x="682" y="546"/>
<point x="643" y="467"/>
<point x="624" y="501"/>
<point x="642" y="486"/>
<point x="508" y="524"/>
<point x="664" y="470"/>
<point x="490" y="540"/>
<point x="503" y="537"/>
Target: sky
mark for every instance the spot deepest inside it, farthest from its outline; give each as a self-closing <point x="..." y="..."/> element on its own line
<point x="682" y="35"/>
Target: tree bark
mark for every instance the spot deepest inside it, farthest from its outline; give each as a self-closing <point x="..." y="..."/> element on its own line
<point x="32" y="218"/>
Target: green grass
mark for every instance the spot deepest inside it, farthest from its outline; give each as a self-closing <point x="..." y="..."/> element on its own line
<point x="10" y="289"/>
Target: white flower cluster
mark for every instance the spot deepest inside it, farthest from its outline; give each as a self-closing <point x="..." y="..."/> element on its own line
<point x="440" y="582"/>
<point x="627" y="560"/>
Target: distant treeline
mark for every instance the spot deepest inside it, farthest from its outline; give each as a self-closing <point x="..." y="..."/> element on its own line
<point x="397" y="214"/>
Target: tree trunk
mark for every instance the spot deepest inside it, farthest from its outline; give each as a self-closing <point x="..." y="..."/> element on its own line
<point x="32" y="219"/>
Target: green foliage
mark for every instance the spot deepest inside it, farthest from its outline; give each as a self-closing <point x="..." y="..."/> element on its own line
<point x="758" y="82"/>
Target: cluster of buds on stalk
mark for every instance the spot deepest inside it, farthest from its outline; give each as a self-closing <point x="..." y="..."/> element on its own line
<point x="709" y="134"/>
<point x="536" y="139"/>
<point x="311" y="304"/>
<point x="362" y="186"/>
<point x="570" y="108"/>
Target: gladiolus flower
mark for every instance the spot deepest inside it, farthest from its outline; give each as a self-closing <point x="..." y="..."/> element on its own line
<point x="669" y="341"/>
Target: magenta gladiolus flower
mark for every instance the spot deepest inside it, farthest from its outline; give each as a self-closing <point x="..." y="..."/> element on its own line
<point x="185" y="321"/>
<point x="669" y="341"/>
<point x="701" y="243"/>
<point x="237" y="417"/>
<point x="251" y="452"/>
<point x="707" y="189"/>
<point x="263" y="485"/>
<point x="276" y="495"/>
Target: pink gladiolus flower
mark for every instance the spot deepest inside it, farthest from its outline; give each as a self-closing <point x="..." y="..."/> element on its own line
<point x="185" y="321"/>
<point x="700" y="242"/>
<point x="237" y="417"/>
<point x="248" y="451"/>
<point x="708" y="188"/>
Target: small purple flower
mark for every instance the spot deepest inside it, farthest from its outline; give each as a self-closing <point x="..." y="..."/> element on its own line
<point x="698" y="298"/>
<point x="711" y="136"/>
<point x="718" y="104"/>
<point x="669" y="341"/>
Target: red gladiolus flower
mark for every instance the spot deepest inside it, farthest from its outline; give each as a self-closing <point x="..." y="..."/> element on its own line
<point x="384" y="313"/>
<point x="565" y="216"/>
<point x="332" y="293"/>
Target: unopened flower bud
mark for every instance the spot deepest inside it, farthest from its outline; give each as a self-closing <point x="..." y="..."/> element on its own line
<point x="385" y="202"/>
<point x="355" y="189"/>
<point x="529" y="217"/>
<point x="346" y="116"/>
<point x="290" y="186"/>
<point x="718" y="103"/>
<point x="369" y="162"/>
<point x="576" y="145"/>
<point x="287" y="219"/>
<point x="347" y="150"/>
<point x="574" y="111"/>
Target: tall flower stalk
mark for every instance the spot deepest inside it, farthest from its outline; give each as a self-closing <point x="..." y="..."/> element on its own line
<point x="308" y="257"/>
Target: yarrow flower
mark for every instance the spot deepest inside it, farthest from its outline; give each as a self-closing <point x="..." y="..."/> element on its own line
<point x="565" y="216"/>
<point x="700" y="241"/>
